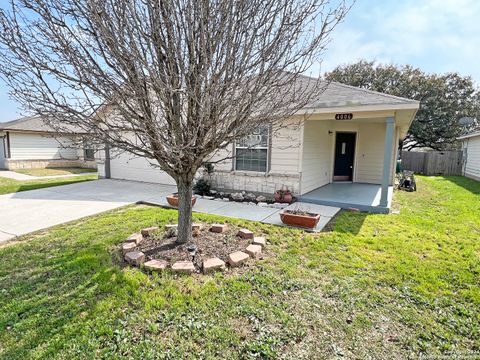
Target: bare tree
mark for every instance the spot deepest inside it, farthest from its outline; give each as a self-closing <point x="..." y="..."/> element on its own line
<point x="169" y="80"/>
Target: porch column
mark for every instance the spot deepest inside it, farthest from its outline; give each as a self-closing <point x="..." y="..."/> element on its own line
<point x="387" y="160"/>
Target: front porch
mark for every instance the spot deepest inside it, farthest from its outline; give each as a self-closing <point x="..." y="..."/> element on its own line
<point x="364" y="197"/>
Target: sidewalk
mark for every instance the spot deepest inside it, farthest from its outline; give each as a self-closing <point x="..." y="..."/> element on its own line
<point x="264" y="214"/>
<point x="22" y="177"/>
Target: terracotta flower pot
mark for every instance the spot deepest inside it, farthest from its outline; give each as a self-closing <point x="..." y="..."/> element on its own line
<point x="308" y="220"/>
<point x="173" y="200"/>
<point x="283" y="197"/>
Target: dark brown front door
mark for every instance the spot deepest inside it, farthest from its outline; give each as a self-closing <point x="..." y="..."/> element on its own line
<point x="344" y="156"/>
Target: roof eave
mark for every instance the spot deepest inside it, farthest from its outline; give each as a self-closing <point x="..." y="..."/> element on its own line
<point x="352" y="108"/>
<point x="43" y="131"/>
<point x="467" y="136"/>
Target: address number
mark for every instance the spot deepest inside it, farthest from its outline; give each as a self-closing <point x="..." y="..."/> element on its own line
<point x="343" y="116"/>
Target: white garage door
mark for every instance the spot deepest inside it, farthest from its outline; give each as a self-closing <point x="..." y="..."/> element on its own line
<point x="126" y="166"/>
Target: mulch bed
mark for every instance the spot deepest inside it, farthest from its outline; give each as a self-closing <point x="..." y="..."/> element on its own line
<point x="159" y="246"/>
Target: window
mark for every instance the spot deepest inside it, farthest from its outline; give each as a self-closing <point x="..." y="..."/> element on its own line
<point x="88" y="151"/>
<point x="89" y="154"/>
<point x="251" y="152"/>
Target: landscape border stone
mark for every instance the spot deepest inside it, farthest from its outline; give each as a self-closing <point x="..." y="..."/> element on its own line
<point x="210" y="265"/>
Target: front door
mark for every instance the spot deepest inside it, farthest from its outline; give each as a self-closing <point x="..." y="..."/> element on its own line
<point x="344" y="156"/>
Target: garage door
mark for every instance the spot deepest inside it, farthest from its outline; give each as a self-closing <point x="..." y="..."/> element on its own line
<point x="126" y="166"/>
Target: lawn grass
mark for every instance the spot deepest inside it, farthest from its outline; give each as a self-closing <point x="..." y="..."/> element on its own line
<point x="54" y="171"/>
<point x="8" y="186"/>
<point x="377" y="286"/>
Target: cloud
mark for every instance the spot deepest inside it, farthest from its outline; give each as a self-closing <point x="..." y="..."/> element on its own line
<point x="436" y="35"/>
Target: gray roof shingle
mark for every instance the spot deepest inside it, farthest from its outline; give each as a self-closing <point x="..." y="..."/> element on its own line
<point x="33" y="123"/>
<point x="341" y="95"/>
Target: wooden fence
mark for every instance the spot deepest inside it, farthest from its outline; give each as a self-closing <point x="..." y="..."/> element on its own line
<point x="433" y="162"/>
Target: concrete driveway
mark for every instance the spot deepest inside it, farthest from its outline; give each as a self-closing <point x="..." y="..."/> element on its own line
<point x="27" y="211"/>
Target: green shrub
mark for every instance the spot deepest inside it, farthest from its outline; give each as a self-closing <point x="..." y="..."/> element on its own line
<point x="202" y="187"/>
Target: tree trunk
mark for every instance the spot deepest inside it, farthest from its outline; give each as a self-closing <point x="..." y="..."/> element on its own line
<point x="184" y="210"/>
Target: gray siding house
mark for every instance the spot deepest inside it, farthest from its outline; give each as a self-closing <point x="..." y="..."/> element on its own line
<point x="28" y="143"/>
<point x="471" y="154"/>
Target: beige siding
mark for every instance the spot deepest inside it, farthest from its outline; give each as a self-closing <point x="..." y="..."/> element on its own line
<point x="317" y="155"/>
<point x="371" y="139"/>
<point x="472" y="164"/>
<point x="284" y="164"/>
<point x="319" y="148"/>
<point x="223" y="159"/>
<point x="25" y="146"/>
<point x="285" y="149"/>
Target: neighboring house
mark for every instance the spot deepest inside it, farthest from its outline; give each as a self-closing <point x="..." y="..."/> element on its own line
<point x="28" y="143"/>
<point x="471" y="154"/>
<point x="348" y="138"/>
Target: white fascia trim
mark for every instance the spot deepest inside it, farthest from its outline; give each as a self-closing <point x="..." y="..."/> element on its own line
<point x="469" y="135"/>
<point x="411" y="106"/>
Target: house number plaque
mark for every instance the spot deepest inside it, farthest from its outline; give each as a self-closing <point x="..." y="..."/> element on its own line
<point x="343" y="116"/>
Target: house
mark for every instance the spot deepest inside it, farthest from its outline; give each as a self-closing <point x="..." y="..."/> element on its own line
<point x="471" y="154"/>
<point x="29" y="142"/>
<point x="340" y="150"/>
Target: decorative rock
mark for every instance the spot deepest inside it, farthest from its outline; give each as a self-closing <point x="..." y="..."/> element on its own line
<point x="237" y="197"/>
<point x="279" y="205"/>
<point x="212" y="265"/>
<point x="254" y="250"/>
<point x="245" y="234"/>
<point x="209" y="197"/>
<point x="219" y="228"/>
<point x="213" y="192"/>
<point x="261" y="198"/>
<point x="149" y="231"/>
<point x="262" y="204"/>
<point x="237" y="258"/>
<point x="185" y="267"/>
<point x="218" y="199"/>
<point x="136" y="238"/>
<point x="226" y="199"/>
<point x="171" y="232"/>
<point x="128" y="246"/>
<point x="259" y="240"/>
<point x="221" y="194"/>
<point x="250" y="197"/>
<point x="197" y="226"/>
<point x="155" y="265"/>
<point x="135" y="258"/>
<point x="251" y="203"/>
<point x="171" y="226"/>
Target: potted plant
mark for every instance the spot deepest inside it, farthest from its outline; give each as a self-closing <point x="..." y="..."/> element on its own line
<point x="283" y="195"/>
<point x="173" y="199"/>
<point x="300" y="218"/>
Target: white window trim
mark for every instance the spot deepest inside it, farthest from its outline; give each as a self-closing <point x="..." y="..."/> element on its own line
<point x="267" y="148"/>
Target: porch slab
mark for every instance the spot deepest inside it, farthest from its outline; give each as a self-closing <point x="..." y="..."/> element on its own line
<point x="364" y="197"/>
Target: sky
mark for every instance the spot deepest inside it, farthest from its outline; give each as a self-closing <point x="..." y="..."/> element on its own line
<point x="434" y="35"/>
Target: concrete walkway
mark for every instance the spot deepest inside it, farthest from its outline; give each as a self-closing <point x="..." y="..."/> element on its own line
<point x="267" y="215"/>
<point x="23" y="177"/>
<point x="28" y="211"/>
